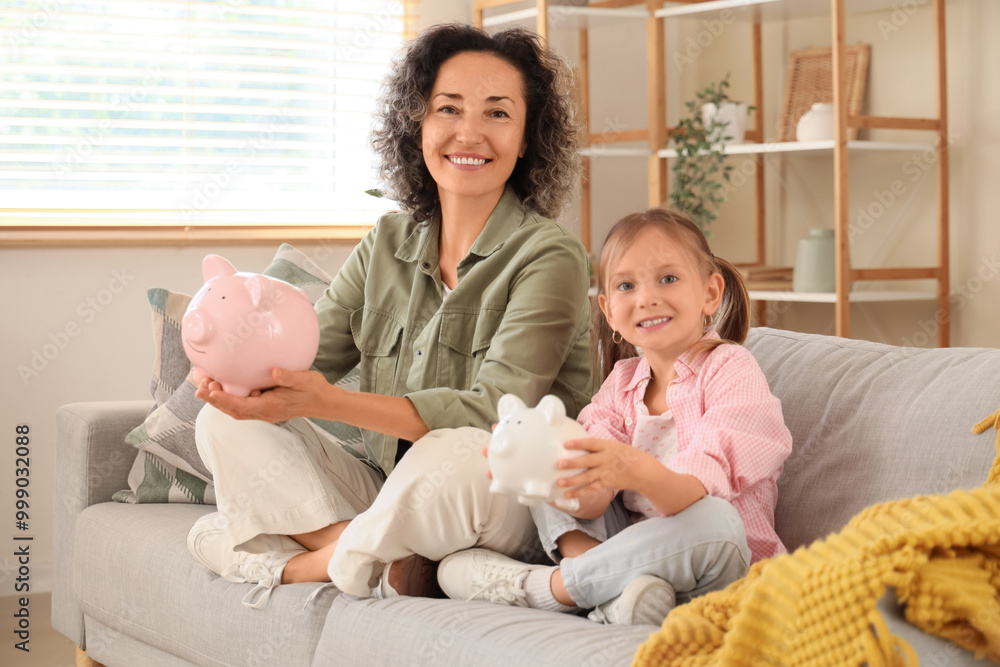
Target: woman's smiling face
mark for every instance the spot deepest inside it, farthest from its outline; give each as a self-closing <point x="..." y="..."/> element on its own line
<point x="473" y="133"/>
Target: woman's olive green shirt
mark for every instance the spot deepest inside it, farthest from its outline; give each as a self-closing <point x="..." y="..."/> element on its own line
<point x="518" y="322"/>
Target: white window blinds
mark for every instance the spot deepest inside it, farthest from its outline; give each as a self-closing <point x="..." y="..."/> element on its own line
<point x="192" y="112"/>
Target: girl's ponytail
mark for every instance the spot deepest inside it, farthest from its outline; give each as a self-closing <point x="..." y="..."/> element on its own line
<point x="732" y="319"/>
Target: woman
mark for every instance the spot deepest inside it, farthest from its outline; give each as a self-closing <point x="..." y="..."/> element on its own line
<point x="469" y="294"/>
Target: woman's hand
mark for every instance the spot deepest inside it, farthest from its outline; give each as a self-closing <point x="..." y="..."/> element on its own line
<point x="610" y="466"/>
<point x="296" y="394"/>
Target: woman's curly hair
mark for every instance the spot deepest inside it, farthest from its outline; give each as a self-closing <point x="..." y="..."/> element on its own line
<point x="542" y="179"/>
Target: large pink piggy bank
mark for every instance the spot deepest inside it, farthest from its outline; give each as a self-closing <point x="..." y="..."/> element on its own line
<point x="241" y="325"/>
<point x="526" y="447"/>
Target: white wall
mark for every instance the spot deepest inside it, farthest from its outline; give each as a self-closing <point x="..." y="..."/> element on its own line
<point x="443" y="11"/>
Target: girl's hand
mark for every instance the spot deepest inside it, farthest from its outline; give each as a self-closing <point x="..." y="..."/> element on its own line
<point x="296" y="394"/>
<point x="610" y="465"/>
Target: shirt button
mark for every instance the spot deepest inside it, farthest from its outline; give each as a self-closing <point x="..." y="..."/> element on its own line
<point x="420" y="353"/>
<point x="628" y="421"/>
<point x="425" y="265"/>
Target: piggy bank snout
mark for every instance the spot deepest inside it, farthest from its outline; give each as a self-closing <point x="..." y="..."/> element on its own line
<point x="500" y="446"/>
<point x="197" y="326"/>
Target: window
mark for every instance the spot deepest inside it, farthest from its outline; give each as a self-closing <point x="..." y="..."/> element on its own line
<point x="191" y="113"/>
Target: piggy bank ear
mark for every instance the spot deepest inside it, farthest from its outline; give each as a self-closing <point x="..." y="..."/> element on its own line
<point x="214" y="266"/>
<point x="509" y="403"/>
<point x="552" y="408"/>
<point x="257" y="286"/>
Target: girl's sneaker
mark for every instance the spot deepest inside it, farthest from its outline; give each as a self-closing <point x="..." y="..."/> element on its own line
<point x="646" y="600"/>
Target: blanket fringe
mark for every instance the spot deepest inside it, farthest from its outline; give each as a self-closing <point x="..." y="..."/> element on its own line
<point x="994" y="421"/>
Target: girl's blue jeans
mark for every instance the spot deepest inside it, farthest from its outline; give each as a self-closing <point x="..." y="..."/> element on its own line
<point x="699" y="550"/>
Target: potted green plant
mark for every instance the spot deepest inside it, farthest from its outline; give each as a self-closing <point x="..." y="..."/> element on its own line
<point x="700" y="138"/>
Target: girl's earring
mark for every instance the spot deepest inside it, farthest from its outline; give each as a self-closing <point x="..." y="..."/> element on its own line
<point x="620" y="339"/>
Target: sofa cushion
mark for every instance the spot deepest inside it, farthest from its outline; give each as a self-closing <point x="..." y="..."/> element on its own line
<point x="419" y="631"/>
<point x="848" y="404"/>
<point x="133" y="574"/>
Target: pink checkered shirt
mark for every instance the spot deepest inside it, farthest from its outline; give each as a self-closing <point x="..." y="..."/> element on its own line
<point x="730" y="431"/>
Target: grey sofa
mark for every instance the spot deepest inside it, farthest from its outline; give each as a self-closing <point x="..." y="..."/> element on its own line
<point x="870" y="422"/>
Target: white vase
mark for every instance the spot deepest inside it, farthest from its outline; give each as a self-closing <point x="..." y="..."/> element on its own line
<point x="732" y="115"/>
<point x="816" y="124"/>
<point x="815" y="263"/>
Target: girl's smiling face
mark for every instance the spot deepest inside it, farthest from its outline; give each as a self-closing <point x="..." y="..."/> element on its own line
<point x="473" y="133"/>
<point x="657" y="296"/>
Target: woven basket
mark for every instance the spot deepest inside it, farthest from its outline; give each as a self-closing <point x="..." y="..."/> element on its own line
<point x="810" y="80"/>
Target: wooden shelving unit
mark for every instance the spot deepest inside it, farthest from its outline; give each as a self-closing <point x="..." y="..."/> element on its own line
<point x="547" y="15"/>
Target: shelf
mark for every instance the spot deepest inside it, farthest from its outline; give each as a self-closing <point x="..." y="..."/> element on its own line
<point x="609" y="151"/>
<point x="563" y="16"/>
<point x="710" y="19"/>
<point x="813" y="147"/>
<point x="860" y="296"/>
<point x="729" y="11"/>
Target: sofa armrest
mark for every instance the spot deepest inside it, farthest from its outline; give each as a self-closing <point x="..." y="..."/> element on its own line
<point x="92" y="462"/>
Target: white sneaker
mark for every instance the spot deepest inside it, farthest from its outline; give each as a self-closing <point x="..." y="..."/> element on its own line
<point x="645" y="601"/>
<point x="413" y="576"/>
<point x="208" y="544"/>
<point x="481" y="574"/>
<point x="262" y="569"/>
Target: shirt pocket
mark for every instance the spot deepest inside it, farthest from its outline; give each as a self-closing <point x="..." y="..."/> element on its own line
<point x="465" y="339"/>
<point x="377" y="336"/>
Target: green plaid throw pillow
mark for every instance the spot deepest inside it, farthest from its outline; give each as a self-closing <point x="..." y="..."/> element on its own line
<point x="168" y="468"/>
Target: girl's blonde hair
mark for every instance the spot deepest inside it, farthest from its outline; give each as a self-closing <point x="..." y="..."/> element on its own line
<point x="731" y="320"/>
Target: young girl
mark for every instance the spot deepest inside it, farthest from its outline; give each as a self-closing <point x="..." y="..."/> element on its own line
<point x="689" y="433"/>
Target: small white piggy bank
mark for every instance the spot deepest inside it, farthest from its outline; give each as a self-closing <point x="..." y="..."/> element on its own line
<point x="526" y="447"/>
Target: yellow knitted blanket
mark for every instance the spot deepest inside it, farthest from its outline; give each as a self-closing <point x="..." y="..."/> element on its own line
<point x="817" y="606"/>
